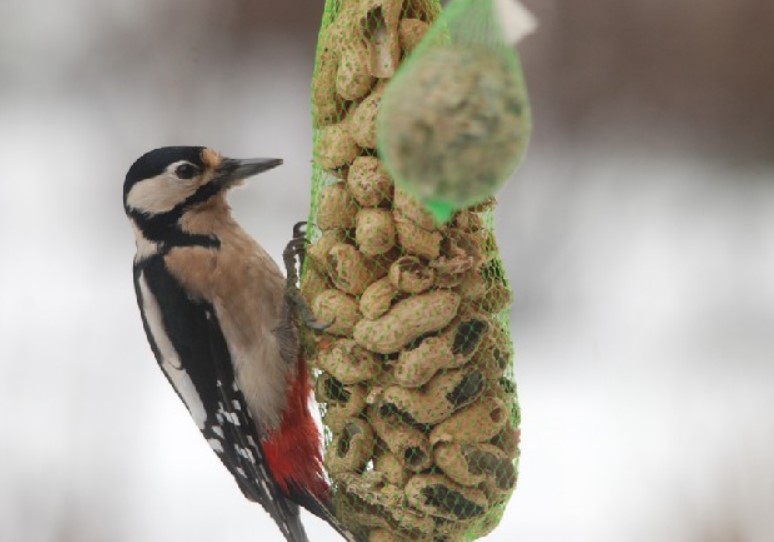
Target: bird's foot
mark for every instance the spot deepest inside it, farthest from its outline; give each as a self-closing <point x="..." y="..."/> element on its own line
<point x="293" y="256"/>
<point x="301" y="310"/>
<point x="294" y="253"/>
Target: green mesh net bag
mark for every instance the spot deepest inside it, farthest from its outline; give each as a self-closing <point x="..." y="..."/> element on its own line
<point x="414" y="372"/>
<point x="455" y="121"/>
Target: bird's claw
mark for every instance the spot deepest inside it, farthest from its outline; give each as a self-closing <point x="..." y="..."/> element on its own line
<point x="315" y="325"/>
<point x="295" y="253"/>
<point x="299" y="229"/>
<point x="301" y="311"/>
<point x="293" y="257"/>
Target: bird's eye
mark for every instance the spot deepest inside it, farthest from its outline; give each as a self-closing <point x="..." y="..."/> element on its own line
<point x="186" y="171"/>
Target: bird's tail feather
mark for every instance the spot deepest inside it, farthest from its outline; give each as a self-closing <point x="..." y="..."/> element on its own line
<point x="323" y="509"/>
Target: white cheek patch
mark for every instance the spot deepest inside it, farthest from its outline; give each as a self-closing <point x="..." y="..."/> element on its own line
<point x="160" y="194"/>
<point x="170" y="361"/>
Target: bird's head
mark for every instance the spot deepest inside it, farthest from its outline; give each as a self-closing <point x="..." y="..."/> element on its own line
<point x="163" y="184"/>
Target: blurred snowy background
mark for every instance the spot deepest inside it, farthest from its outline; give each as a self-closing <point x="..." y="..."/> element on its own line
<point x="638" y="235"/>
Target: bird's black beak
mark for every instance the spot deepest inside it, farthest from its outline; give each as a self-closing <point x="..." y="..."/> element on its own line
<point x="231" y="171"/>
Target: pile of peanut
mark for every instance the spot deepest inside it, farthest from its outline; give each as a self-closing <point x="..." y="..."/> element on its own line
<point x="412" y="372"/>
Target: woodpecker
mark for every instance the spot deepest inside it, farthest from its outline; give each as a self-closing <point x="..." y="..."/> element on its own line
<point x="223" y="324"/>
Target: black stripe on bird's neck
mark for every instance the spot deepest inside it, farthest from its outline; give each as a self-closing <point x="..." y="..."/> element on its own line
<point x="166" y="231"/>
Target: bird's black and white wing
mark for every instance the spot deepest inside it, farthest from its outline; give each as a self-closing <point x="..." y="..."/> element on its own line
<point x="190" y="348"/>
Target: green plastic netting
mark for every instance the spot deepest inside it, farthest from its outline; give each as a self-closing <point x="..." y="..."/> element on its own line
<point x="455" y="122"/>
<point x="414" y="375"/>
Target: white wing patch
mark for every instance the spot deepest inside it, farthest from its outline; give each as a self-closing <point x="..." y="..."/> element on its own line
<point x="215" y="444"/>
<point x="170" y="361"/>
<point x="245" y="452"/>
<point x="230" y="417"/>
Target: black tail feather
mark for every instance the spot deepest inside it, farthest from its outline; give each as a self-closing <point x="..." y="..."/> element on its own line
<point x="323" y="509"/>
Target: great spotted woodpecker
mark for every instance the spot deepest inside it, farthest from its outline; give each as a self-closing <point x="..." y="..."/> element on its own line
<point x="222" y="323"/>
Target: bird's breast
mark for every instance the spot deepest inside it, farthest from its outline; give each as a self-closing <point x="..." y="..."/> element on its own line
<point x="246" y="288"/>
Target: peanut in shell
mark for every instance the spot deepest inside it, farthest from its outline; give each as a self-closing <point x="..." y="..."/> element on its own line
<point x="337" y="413"/>
<point x="351" y="449"/>
<point x="407" y="320"/>
<point x="409" y="275"/>
<point x="362" y="120"/>
<point x="444" y="394"/>
<point x="347" y="362"/>
<point x="368" y="182"/>
<point x="337" y="209"/>
<point x="407" y="443"/>
<point x="452" y="348"/>
<point x="391" y="468"/>
<point x="327" y="106"/>
<point x="415" y="367"/>
<point x="408" y="206"/>
<point x="353" y="77"/>
<point x="377" y="298"/>
<point x="473" y="464"/>
<point x="349" y="270"/>
<point x="337" y="309"/>
<point x="508" y="439"/>
<point x="375" y="231"/>
<point x="317" y="252"/>
<point x="416" y="240"/>
<point x="473" y="286"/>
<point x="313" y="282"/>
<point x="478" y="422"/>
<point x="438" y="496"/>
<point x="335" y="146"/>
<point x="379" y="20"/>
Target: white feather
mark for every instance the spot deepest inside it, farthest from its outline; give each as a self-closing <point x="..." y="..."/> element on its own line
<point x="170" y="361"/>
<point x="145" y="247"/>
<point x="215" y="444"/>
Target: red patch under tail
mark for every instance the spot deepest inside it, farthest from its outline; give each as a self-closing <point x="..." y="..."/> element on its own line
<point x="294" y="451"/>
